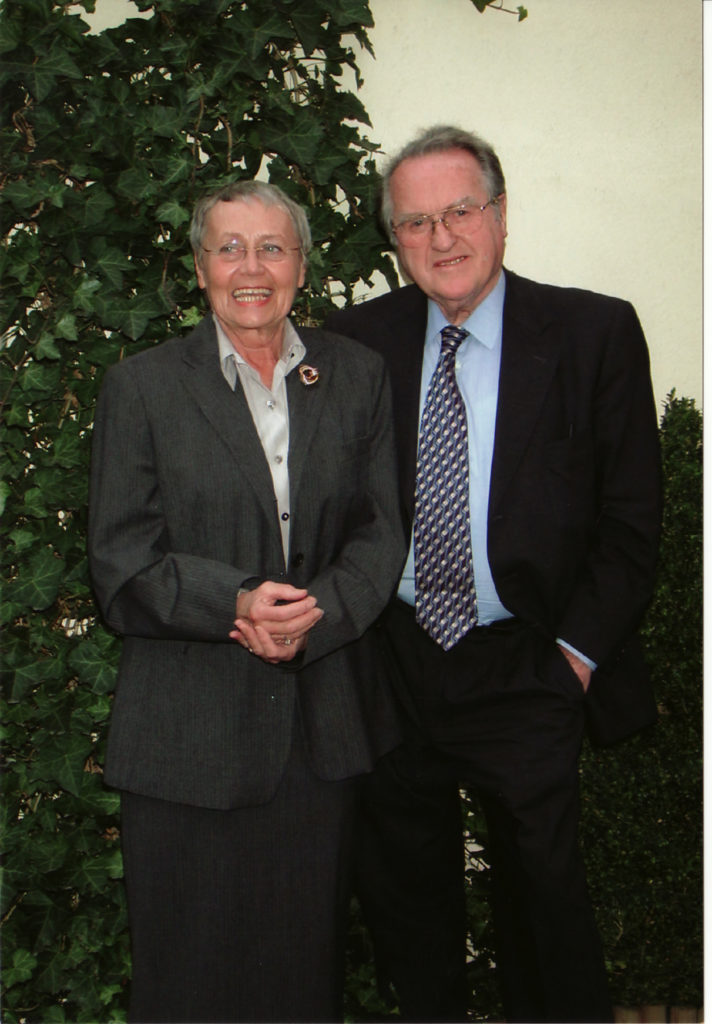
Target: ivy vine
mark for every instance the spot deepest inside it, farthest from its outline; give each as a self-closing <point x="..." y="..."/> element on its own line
<point x="107" y="141"/>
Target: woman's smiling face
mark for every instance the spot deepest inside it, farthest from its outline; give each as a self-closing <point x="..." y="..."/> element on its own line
<point x="252" y="297"/>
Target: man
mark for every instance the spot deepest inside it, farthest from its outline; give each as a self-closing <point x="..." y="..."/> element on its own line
<point x="529" y="480"/>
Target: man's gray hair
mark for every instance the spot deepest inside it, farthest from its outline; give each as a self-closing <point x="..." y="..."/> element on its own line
<point x="439" y="139"/>
<point x="246" y="191"/>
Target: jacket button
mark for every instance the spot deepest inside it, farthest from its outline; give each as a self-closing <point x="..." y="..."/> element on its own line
<point x="298" y="560"/>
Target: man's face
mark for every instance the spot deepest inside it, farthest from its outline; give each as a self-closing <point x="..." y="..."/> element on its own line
<point x="456" y="272"/>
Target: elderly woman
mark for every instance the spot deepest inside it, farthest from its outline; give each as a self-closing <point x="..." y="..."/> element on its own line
<point x="244" y="536"/>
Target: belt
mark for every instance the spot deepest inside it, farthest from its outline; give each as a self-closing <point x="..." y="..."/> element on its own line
<point x="498" y="626"/>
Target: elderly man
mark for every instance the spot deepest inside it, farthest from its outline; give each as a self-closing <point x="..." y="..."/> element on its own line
<point x="529" y="480"/>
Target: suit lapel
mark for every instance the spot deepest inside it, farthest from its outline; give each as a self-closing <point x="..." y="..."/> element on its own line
<point x="403" y="343"/>
<point x="531" y="346"/>
<point x="306" y="402"/>
<point x="228" y="413"/>
<point x="530" y="354"/>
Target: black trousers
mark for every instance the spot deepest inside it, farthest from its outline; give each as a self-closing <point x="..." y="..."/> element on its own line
<point x="240" y="915"/>
<point x="501" y="713"/>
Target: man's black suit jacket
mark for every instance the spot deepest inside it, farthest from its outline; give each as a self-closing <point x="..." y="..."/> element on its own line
<point x="575" y="495"/>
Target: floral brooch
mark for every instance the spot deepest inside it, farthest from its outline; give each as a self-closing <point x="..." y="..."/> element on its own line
<point x="308" y="375"/>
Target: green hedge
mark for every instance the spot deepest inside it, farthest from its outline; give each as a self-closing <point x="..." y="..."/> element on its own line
<point x="642" y="819"/>
<point x="642" y="799"/>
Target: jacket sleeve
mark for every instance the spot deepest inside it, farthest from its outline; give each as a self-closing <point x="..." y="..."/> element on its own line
<point x="143" y="587"/>
<point x="614" y="583"/>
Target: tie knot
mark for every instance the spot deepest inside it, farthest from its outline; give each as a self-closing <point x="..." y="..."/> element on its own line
<point x="452" y="338"/>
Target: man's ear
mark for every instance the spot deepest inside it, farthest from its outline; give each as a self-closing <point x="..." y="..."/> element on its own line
<point x="502" y="207"/>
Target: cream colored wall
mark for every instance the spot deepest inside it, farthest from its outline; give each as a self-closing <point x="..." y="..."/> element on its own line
<point x="595" y="109"/>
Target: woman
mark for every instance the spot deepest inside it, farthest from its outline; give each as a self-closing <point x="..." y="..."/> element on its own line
<point x="244" y="536"/>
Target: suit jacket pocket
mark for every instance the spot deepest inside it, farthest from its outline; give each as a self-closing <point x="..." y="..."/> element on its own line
<point x="556" y="671"/>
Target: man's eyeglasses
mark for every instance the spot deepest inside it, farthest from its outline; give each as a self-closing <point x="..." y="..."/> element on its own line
<point x="462" y="219"/>
<point x="268" y="252"/>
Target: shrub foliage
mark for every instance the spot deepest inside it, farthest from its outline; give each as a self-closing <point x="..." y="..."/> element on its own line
<point x="642" y="816"/>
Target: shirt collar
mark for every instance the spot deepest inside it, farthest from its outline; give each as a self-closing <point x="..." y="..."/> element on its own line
<point x="293" y="351"/>
<point x="484" y="323"/>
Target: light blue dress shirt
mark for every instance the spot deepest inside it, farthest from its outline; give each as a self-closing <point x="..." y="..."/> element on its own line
<point x="477" y="371"/>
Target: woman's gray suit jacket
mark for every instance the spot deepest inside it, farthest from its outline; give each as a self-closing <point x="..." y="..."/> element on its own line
<point x="182" y="513"/>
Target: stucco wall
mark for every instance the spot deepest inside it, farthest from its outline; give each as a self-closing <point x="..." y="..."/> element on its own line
<point x="595" y="109"/>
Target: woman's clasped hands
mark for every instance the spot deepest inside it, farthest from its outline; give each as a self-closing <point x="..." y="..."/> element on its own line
<point x="273" y="620"/>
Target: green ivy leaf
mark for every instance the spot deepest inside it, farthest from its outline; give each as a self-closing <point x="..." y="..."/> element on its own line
<point x="67" y="327"/>
<point x="114" y="264"/>
<point x="37" y="586"/>
<point x="32" y="674"/>
<point x="69" y="448"/>
<point x="299" y="141"/>
<point x="60" y="761"/>
<point x="265" y="28"/>
<point x="172" y="213"/>
<point x="308" y="26"/>
<point x="351" y="12"/>
<point x="137" y="182"/>
<point x="131" y="316"/>
<point x="46" y="347"/>
<point x="43" y="72"/>
<point x="39" y="376"/>
<point x="98" y="204"/>
<point x="90" y="662"/>
<point x="21" y="967"/>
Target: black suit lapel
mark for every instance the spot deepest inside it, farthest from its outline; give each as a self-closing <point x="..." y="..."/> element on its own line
<point x="403" y="343"/>
<point x="531" y="346"/>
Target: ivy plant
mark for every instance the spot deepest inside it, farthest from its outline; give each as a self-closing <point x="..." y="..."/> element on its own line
<point x="107" y="140"/>
<point x="498" y="5"/>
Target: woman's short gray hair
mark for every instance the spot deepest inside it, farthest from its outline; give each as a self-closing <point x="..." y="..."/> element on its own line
<point x="246" y="191"/>
<point x="439" y="139"/>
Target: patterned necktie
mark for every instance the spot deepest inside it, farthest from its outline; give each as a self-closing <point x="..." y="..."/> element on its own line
<point x="445" y="599"/>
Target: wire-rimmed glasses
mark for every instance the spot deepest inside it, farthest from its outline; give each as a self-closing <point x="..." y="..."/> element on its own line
<point x="462" y="219"/>
<point x="268" y="252"/>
